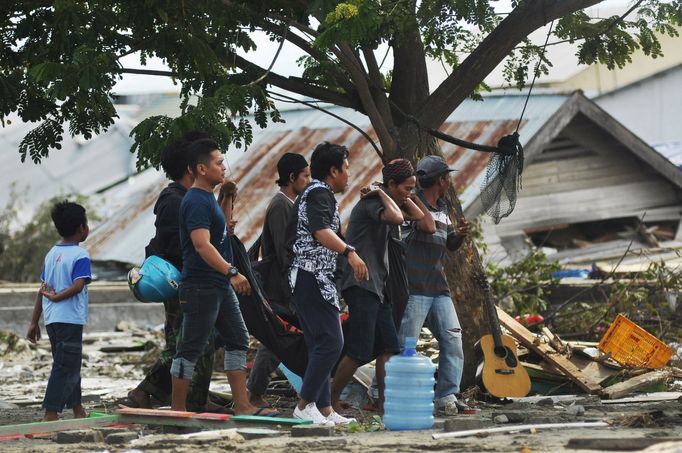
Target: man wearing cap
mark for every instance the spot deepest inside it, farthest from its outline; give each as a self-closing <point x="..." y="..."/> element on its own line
<point x="430" y="303"/>
<point x="294" y="176"/>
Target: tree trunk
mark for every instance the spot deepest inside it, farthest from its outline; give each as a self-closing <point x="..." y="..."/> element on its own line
<point x="461" y="265"/>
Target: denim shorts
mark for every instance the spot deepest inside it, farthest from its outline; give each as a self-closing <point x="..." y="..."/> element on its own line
<point x="371" y="327"/>
<point x="203" y="307"/>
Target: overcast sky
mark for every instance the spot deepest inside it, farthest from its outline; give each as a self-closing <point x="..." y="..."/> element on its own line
<point x="562" y="57"/>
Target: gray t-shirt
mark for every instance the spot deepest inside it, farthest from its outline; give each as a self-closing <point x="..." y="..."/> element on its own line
<point x="369" y="235"/>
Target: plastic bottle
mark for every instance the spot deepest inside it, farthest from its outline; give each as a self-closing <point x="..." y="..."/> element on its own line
<point x="409" y="390"/>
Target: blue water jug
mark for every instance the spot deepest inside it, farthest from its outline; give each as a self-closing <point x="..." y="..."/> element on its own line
<point x="409" y="390"/>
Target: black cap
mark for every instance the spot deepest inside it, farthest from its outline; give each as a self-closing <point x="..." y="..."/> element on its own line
<point x="289" y="163"/>
<point x="432" y="166"/>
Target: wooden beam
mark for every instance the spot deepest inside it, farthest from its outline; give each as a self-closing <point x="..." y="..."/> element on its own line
<point x="636" y="383"/>
<point x="59" y="425"/>
<point x="199" y="420"/>
<point x="530" y="341"/>
<point x="616" y="444"/>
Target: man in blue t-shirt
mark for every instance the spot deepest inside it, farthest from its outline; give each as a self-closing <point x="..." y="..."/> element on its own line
<point x="63" y="298"/>
<point x="206" y="293"/>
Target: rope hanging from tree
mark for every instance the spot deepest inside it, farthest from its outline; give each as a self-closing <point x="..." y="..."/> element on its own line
<point x="502" y="180"/>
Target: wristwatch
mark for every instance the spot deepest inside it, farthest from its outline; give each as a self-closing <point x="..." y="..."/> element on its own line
<point x="232" y="272"/>
<point x="349" y="248"/>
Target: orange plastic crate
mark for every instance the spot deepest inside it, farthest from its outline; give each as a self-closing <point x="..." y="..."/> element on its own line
<point x="632" y="346"/>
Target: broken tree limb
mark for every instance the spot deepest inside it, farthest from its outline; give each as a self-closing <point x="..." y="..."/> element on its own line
<point x="513" y="428"/>
<point x="636" y="383"/>
<point x="530" y="341"/>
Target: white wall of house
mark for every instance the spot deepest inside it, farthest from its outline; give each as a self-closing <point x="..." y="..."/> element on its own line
<point x="650" y="108"/>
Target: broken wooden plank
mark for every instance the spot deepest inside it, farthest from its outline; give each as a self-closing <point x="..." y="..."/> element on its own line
<point x="155" y="412"/>
<point x="595" y="370"/>
<point x="187" y="422"/>
<point x="199" y="420"/>
<point x="529" y="340"/>
<point x="617" y="444"/>
<point x="515" y="428"/>
<point x="646" y="398"/>
<point x="636" y="383"/>
<point x="555" y="341"/>
<point x="59" y="425"/>
<point x="270" y="420"/>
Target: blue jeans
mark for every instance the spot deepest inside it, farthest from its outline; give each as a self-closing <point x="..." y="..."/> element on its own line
<point x="323" y="338"/>
<point x="438" y="314"/>
<point x="206" y="306"/>
<point x="64" y="383"/>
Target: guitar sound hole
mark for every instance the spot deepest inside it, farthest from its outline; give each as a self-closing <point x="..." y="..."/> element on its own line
<point x="501" y="352"/>
<point x="510" y="360"/>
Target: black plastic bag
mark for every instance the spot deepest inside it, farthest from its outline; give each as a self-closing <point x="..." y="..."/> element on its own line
<point x="279" y="336"/>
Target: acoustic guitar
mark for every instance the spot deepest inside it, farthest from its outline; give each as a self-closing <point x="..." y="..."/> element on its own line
<point x="500" y="373"/>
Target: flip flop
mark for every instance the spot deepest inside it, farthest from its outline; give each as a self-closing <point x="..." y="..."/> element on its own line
<point x="260" y="410"/>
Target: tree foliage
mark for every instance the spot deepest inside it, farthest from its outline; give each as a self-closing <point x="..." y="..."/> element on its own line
<point x="60" y="59"/>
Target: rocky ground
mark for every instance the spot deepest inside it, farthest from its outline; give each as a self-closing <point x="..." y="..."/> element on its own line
<point x="114" y="362"/>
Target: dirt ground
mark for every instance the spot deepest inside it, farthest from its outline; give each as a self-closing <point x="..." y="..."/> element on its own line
<point x="107" y="376"/>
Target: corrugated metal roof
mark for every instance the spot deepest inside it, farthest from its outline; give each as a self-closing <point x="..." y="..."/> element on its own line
<point x="81" y="166"/>
<point x="124" y="235"/>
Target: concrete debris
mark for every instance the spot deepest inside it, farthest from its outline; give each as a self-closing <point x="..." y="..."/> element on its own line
<point x="501" y="419"/>
<point x="78" y="436"/>
<point x="312" y="431"/>
<point x="575" y="410"/>
<point x="121" y="438"/>
<point x="461" y="424"/>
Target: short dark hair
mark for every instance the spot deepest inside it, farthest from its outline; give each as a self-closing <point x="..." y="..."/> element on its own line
<point x="67" y="217"/>
<point x="200" y="152"/>
<point x="325" y="156"/>
<point x="175" y="157"/>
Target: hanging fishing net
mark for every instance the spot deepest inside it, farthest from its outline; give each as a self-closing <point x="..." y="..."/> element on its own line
<point x="503" y="178"/>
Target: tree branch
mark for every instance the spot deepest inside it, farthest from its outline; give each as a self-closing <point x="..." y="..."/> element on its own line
<point x="294" y="84"/>
<point x="524" y="19"/>
<point x="151" y="72"/>
<point x="301" y="43"/>
<point x="377" y="90"/>
<point x="357" y="73"/>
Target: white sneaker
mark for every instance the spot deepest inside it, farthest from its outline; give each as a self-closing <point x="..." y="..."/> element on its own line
<point x="311" y="412"/>
<point x="339" y="419"/>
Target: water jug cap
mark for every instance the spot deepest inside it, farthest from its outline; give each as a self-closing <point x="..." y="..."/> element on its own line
<point x="410" y="346"/>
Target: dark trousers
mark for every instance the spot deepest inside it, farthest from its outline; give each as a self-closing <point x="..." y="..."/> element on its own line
<point x="64" y="384"/>
<point x="323" y="337"/>
<point x="263" y="365"/>
<point x="158" y="382"/>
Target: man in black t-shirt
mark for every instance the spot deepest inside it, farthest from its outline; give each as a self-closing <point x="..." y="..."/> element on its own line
<point x="294" y="176"/>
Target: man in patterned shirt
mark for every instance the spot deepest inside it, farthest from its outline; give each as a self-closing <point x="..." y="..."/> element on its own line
<point x="314" y="243"/>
